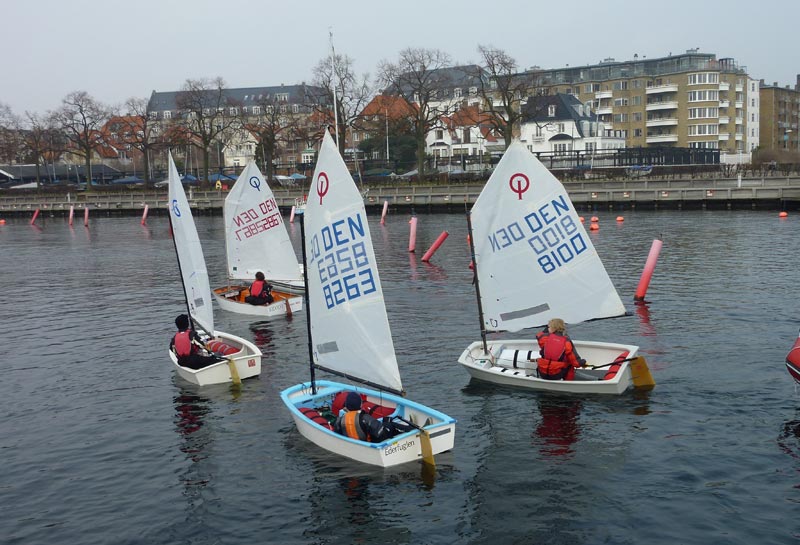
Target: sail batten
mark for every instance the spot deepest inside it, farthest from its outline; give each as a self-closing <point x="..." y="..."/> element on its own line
<point x="255" y="233"/>
<point x="534" y="259"/>
<point x="349" y="326"/>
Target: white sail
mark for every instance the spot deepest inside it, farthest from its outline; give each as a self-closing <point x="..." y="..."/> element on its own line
<point x="255" y="233"/>
<point x="349" y="327"/>
<point x="534" y="258"/>
<point x="190" y="253"/>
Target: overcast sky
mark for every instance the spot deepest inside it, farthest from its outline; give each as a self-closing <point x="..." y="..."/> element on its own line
<point x="116" y="49"/>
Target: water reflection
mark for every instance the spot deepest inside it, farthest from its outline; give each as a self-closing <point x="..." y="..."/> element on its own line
<point x="263" y="333"/>
<point x="643" y="313"/>
<point x="558" y="428"/>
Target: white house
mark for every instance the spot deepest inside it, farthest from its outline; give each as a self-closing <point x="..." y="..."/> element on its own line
<point x="562" y="124"/>
<point x="466" y="133"/>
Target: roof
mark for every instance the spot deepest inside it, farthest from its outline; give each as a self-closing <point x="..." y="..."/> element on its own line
<point x="243" y="96"/>
<point x="567" y="108"/>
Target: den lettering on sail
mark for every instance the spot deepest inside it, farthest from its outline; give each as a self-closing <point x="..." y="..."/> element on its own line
<point x="551" y="232"/>
<point x="340" y="255"/>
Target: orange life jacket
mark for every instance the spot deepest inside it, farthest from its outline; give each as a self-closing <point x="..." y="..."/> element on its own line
<point x="552" y="364"/>
<point x="352" y="426"/>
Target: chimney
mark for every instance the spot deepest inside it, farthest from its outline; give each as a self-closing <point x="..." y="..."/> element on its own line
<point x="797" y="85"/>
<point x="775" y="84"/>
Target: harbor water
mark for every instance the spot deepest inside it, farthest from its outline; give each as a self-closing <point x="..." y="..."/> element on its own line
<point x="100" y="442"/>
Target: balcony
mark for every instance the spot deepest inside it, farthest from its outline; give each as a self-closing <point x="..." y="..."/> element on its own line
<point x="603" y="94"/>
<point x="724" y="120"/>
<point x="739" y="88"/>
<point x="724" y="86"/>
<point x="605" y="110"/>
<point x="724" y="103"/>
<point x="724" y="136"/>
<point x="662" y="138"/>
<point x="739" y="137"/>
<point x="664" y="105"/>
<point x="668" y="88"/>
<point x="739" y="120"/>
<point x="739" y="104"/>
<point x="662" y="122"/>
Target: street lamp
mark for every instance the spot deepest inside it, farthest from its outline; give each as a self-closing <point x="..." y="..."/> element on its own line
<point x="786" y="137"/>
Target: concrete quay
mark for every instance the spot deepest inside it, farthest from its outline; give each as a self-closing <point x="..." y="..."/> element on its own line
<point x="778" y="193"/>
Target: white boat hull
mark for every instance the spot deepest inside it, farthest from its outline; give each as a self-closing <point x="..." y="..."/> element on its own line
<point x="499" y="366"/>
<point x="401" y="449"/>
<point x="247" y="360"/>
<point x="294" y="287"/>
<point x="228" y="299"/>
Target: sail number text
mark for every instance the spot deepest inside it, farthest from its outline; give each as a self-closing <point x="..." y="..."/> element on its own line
<point x="257" y="220"/>
<point x="340" y="253"/>
<point x="550" y="231"/>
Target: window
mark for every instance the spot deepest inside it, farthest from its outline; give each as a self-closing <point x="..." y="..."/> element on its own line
<point x="699" y="96"/>
<point x="457" y="93"/>
<point x="620" y="85"/>
<point x="637" y="116"/>
<point x="167" y="114"/>
<point x="256" y="110"/>
<point x="551" y="110"/>
<point x="282" y="97"/>
<point x="234" y="111"/>
<point x="355" y="136"/>
<point x="153" y="115"/>
<point x="702" y="130"/>
<point x="283" y="108"/>
<point x="439" y="134"/>
<point x="637" y="84"/>
<point x="703" y="77"/>
<point x="620" y="102"/>
<point x="473" y="91"/>
<point x="620" y="118"/>
<point x="587" y="88"/>
<point x="560" y="127"/>
<point x="637" y="132"/>
<point x="700" y="113"/>
<point x="637" y="100"/>
<point x="296" y="108"/>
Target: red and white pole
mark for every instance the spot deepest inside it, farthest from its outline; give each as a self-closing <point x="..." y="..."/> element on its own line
<point x="412" y="236"/>
<point x="71" y="213"/>
<point x="435" y="246"/>
<point x="383" y="214"/>
<point x="647" y="273"/>
<point x="35" y="215"/>
<point x="144" y="214"/>
<point x="86" y="216"/>
<point x="291" y="214"/>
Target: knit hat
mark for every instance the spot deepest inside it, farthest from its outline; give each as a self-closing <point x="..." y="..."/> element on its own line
<point x="353" y="402"/>
<point x="182" y="321"/>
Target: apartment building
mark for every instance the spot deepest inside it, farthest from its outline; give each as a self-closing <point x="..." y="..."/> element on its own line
<point x="780" y="116"/>
<point x="292" y="113"/>
<point x="689" y="100"/>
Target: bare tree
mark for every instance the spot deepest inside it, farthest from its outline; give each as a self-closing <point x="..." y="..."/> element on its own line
<point x="416" y="77"/>
<point x="351" y="91"/>
<point x="10" y="145"/>
<point x="273" y="125"/>
<point x="39" y="137"/>
<point x="140" y="132"/>
<point x="503" y="90"/>
<point x="206" y="115"/>
<point x="81" y="118"/>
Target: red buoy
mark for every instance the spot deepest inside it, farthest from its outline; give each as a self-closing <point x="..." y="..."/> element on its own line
<point x="620" y="219"/>
<point x="595" y="219"/>
<point x="647" y="273"/>
<point x="782" y="215"/>
<point x="594" y="227"/>
<point x="435" y="246"/>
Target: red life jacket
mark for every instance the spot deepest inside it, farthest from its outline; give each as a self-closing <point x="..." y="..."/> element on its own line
<point x="257" y="289"/>
<point x="183" y="344"/>
<point x="552" y="365"/>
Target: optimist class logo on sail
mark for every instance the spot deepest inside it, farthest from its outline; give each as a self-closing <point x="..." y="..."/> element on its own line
<point x="551" y="231"/>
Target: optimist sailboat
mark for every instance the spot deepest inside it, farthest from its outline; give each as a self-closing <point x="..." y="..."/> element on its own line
<point x="533" y="262"/>
<point x="256" y="240"/>
<point x="349" y="331"/>
<point x="243" y="358"/>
